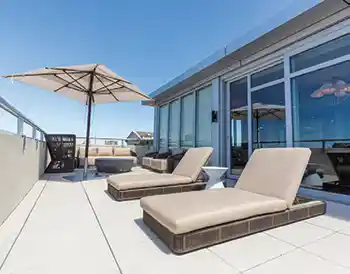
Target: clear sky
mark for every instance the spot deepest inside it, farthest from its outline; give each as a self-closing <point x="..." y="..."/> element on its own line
<point x="147" y="42"/>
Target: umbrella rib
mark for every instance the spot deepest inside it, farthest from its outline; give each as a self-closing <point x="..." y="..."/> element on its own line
<point x="139" y="93"/>
<point x="107" y="88"/>
<point x="111" y="78"/>
<point x="111" y="84"/>
<point x="70" y="76"/>
<point x="73" y="86"/>
<point x="35" y="74"/>
<point x="66" y="85"/>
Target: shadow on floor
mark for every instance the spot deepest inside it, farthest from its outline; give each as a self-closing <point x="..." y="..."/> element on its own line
<point x="153" y="237"/>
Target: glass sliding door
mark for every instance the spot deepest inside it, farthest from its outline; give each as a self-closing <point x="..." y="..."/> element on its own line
<point x="187" y="121"/>
<point x="238" y="101"/>
<point x="163" y="126"/>
<point x="174" y="124"/>
<point x="203" y="117"/>
<point x="321" y="110"/>
<point x="268" y="108"/>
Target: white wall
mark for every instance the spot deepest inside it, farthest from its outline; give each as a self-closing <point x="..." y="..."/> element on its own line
<point x="22" y="162"/>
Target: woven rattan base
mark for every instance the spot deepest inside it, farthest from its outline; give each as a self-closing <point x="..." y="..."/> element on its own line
<point x="193" y="240"/>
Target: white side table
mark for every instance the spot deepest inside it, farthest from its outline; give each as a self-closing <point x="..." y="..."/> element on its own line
<point x="215" y="174"/>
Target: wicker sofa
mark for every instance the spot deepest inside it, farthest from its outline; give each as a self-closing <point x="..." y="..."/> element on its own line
<point x="163" y="161"/>
<point x="103" y="152"/>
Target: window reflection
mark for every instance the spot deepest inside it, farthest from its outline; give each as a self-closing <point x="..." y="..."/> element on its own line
<point x="163" y="127"/>
<point x="187" y="120"/>
<point x="267" y="75"/>
<point x="239" y="125"/>
<point x="174" y="124"/>
<point x="203" y="117"/>
<point x="268" y="114"/>
<point x="321" y="111"/>
<point x="325" y="52"/>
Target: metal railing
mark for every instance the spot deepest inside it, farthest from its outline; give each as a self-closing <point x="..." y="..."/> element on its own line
<point x="22" y="120"/>
<point x="103" y="141"/>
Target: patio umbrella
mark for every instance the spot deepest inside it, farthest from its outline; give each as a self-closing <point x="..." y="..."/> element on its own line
<point x="88" y="84"/>
<point x="260" y="111"/>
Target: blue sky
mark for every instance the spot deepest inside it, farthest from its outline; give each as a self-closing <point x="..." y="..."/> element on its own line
<point x="147" y="42"/>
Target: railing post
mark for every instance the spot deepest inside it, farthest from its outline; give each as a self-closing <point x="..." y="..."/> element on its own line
<point x="33" y="132"/>
<point x="41" y="136"/>
<point x="19" y="126"/>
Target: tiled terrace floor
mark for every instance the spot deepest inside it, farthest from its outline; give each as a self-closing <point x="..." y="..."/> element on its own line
<point x="65" y="227"/>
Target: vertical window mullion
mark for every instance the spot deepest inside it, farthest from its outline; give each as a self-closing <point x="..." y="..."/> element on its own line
<point x="288" y="102"/>
<point x="195" y="119"/>
<point x="250" y="120"/>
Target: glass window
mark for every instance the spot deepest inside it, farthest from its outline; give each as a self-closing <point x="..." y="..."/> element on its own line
<point x="268" y="109"/>
<point x="267" y="75"/>
<point x="27" y="130"/>
<point x="187" y="121"/>
<point x="174" y="124"/>
<point x="325" y="52"/>
<point x="239" y="125"/>
<point x="163" y="126"/>
<point x="321" y="111"/>
<point x="203" y="117"/>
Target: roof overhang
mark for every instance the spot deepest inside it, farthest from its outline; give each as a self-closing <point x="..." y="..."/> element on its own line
<point x="247" y="48"/>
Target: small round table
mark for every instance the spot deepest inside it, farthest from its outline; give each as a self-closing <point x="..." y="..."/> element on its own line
<point x="215" y="176"/>
<point x="113" y="165"/>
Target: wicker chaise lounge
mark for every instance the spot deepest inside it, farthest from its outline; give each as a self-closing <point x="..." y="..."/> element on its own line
<point x="184" y="178"/>
<point x="263" y="198"/>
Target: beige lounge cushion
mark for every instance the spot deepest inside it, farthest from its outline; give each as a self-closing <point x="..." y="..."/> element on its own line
<point x="119" y="151"/>
<point x="192" y="162"/>
<point x="189" y="211"/>
<point x="132" y="181"/>
<point x="275" y="172"/>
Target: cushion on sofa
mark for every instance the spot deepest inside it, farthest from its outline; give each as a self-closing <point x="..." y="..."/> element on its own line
<point x="146" y="161"/>
<point x="159" y="164"/>
<point x="122" y="151"/>
<point x="105" y="151"/>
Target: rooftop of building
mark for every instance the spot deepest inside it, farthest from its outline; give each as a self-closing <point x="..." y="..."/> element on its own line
<point x="62" y="227"/>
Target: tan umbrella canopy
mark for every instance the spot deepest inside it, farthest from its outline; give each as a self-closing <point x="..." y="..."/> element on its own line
<point x="88" y="84"/>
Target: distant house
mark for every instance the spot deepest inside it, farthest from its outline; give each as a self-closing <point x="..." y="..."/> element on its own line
<point x="140" y="138"/>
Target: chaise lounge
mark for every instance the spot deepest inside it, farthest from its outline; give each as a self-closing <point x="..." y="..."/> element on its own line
<point x="185" y="177"/>
<point x="263" y="198"/>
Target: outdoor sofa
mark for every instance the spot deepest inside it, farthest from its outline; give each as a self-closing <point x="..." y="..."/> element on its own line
<point x="104" y="152"/>
<point x="164" y="161"/>
<point x="185" y="177"/>
<point x="263" y="198"/>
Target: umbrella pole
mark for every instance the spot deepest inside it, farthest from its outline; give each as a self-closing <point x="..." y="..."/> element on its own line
<point x="87" y="142"/>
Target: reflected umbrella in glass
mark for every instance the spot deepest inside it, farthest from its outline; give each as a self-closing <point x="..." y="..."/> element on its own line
<point x="260" y="111"/>
<point x="336" y="87"/>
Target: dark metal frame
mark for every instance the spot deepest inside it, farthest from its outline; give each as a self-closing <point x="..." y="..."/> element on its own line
<point x="62" y="152"/>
